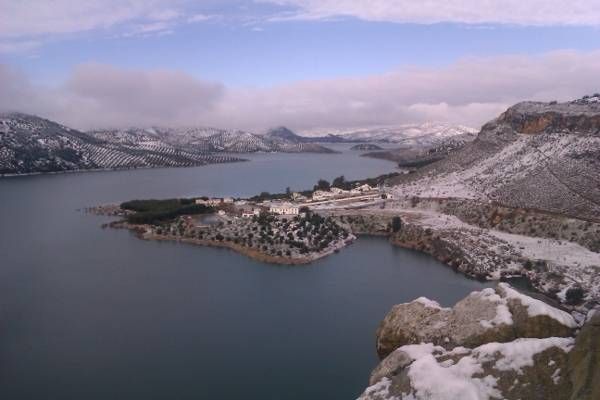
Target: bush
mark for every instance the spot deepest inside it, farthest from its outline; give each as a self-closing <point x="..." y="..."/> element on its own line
<point x="154" y="211"/>
<point x="574" y="295"/>
<point x="396" y="224"/>
<point x="322" y="184"/>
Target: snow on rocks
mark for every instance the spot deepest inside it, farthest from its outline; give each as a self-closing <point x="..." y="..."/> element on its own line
<point x="537" y="307"/>
<point x="512" y="370"/>
<point x="499" y="315"/>
<point x="553" y="266"/>
<point x="428" y="303"/>
<point x="494" y="344"/>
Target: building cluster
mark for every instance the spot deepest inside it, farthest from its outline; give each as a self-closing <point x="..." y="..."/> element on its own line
<point x="335" y="193"/>
<point x="215" y="202"/>
<point x="284" y="209"/>
<point x="247" y="209"/>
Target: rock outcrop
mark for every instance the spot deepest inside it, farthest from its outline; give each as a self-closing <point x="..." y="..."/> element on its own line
<point x="584" y="361"/>
<point x="494" y="344"/>
<point x="499" y="315"/>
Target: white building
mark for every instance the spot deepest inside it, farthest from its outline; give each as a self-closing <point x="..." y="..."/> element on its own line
<point x="251" y="213"/>
<point x="284" y="209"/>
<point x="337" y="191"/>
<point x="364" y="188"/>
<point x="298" y="197"/>
<point x="228" y="200"/>
<point x="211" y="202"/>
<point x="322" y="195"/>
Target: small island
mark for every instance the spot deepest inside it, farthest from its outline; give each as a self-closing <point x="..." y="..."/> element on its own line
<point x="366" y="147"/>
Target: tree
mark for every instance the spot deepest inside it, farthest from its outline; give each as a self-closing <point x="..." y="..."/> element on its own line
<point x="339" y="182"/>
<point x="304" y="209"/>
<point x="322" y="184"/>
<point x="574" y="295"/>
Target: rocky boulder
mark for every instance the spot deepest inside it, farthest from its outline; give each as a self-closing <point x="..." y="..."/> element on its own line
<point x="491" y="315"/>
<point x="584" y="361"/>
<point x="494" y="344"/>
<point x="522" y="369"/>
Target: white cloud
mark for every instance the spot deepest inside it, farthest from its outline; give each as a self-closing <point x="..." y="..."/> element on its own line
<point x="25" y="18"/>
<point x="471" y="91"/>
<point x="519" y="12"/>
<point x="19" y="46"/>
<point x="198" y="18"/>
<point x="25" y="22"/>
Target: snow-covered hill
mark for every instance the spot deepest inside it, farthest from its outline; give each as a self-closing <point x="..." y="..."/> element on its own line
<point x="426" y="134"/>
<point x="29" y="144"/>
<point x="216" y="140"/>
<point x="535" y="155"/>
<point x="410" y="156"/>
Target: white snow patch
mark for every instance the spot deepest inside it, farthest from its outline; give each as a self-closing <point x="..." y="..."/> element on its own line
<point x="560" y="252"/>
<point x="416" y="351"/>
<point x="428" y="303"/>
<point x="519" y="353"/>
<point x="434" y="381"/>
<point x="536" y="307"/>
<point x="503" y="315"/>
<point x="556" y="376"/>
<point x="380" y="388"/>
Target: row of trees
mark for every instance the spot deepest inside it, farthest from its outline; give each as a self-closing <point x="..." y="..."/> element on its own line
<point x="157" y="211"/>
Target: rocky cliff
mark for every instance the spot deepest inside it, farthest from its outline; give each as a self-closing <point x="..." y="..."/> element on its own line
<point x="494" y="344"/>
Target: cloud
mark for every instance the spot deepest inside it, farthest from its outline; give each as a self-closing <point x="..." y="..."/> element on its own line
<point x="198" y="18"/>
<point x="98" y="95"/>
<point x="470" y="91"/>
<point x="26" y="21"/>
<point x="37" y="17"/>
<point x="519" y="12"/>
<point x="19" y="46"/>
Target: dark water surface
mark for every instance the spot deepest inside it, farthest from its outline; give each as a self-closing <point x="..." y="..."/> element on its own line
<point x="87" y="313"/>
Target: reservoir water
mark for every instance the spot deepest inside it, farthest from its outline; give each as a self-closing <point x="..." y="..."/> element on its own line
<point x="87" y="313"/>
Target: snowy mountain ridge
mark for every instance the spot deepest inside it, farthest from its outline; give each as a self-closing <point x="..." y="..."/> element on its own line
<point x="428" y="132"/>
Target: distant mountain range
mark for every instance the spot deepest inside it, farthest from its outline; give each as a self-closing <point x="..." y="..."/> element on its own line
<point x="30" y="144"/>
<point x="213" y="140"/>
<point x="422" y="135"/>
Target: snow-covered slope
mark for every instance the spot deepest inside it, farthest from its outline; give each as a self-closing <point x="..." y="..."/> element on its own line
<point x="214" y="140"/>
<point x="426" y="134"/>
<point x="424" y="154"/>
<point x="29" y="144"/>
<point x="535" y="155"/>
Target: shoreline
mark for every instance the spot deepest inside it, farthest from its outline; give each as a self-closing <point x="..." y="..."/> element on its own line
<point x="483" y="241"/>
<point x="81" y="171"/>
<point x="142" y="233"/>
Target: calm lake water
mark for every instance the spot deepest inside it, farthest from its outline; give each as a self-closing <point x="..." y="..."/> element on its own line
<point x="87" y="313"/>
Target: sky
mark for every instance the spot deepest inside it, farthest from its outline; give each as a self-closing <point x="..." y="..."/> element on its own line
<point x="307" y="64"/>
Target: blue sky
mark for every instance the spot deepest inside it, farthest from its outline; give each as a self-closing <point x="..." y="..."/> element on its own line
<point x="256" y="49"/>
<point x="279" y="52"/>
